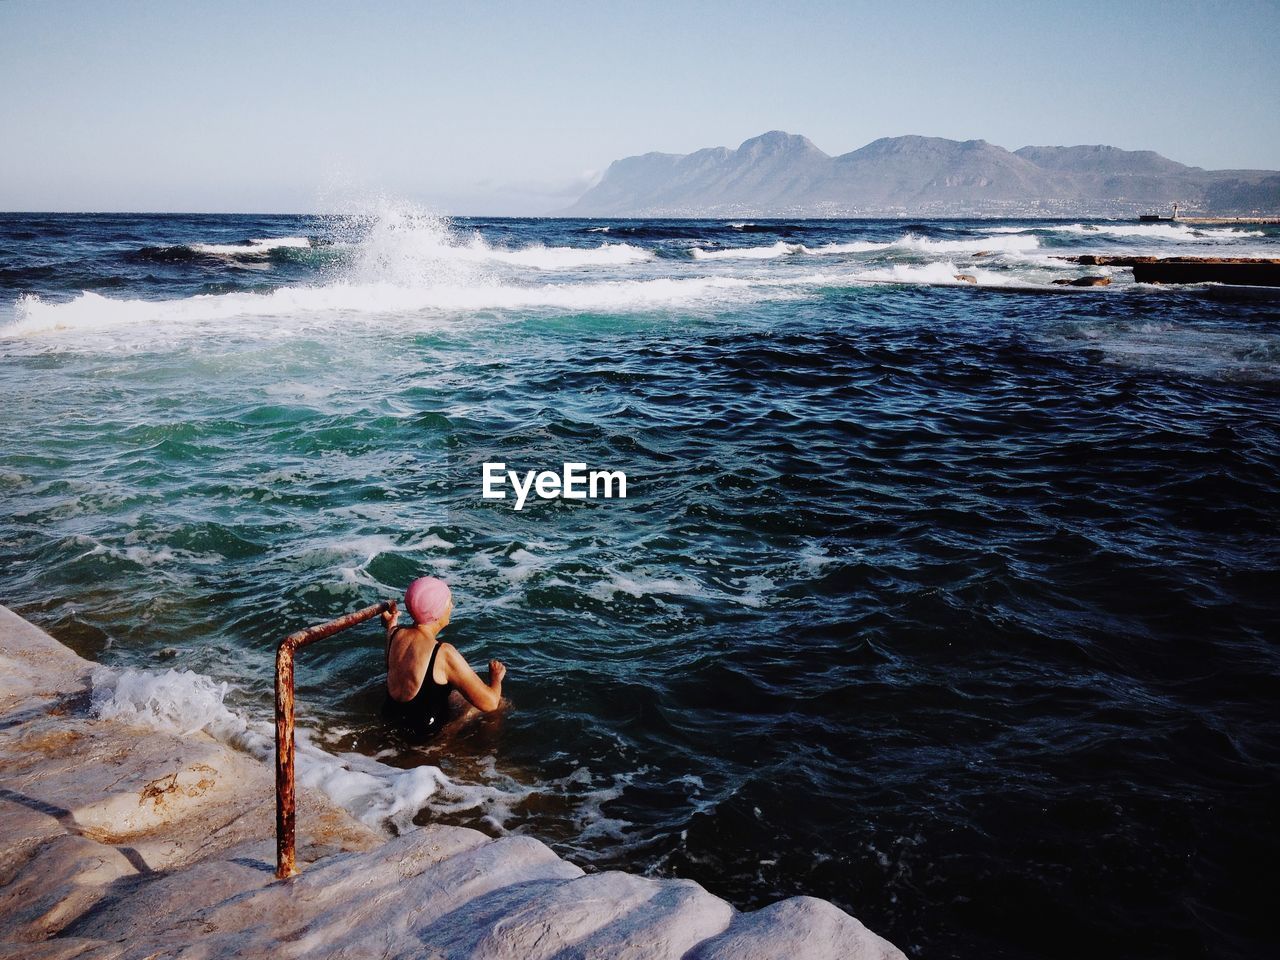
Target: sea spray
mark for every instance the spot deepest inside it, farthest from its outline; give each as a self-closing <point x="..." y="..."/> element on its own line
<point x="408" y="247"/>
<point x="179" y="700"/>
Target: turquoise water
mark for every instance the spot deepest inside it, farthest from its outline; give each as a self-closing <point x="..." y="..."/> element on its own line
<point x="952" y="603"/>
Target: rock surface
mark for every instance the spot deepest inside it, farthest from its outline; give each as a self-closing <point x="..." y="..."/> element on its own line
<point x="1245" y="271"/>
<point x="123" y="843"/>
<point x="1103" y="260"/>
<point x="1084" y="282"/>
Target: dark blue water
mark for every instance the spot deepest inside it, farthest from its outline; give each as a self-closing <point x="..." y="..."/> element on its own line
<point x="955" y="604"/>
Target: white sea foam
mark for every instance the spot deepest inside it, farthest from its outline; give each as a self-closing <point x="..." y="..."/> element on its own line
<point x="755" y="590"/>
<point x="751" y="591"/>
<point x="515" y="567"/>
<point x="854" y="246"/>
<point x="771" y="252"/>
<point x="379" y="795"/>
<point x="523" y="565"/>
<point x="783" y="249"/>
<point x="560" y="258"/>
<point x="374" y="544"/>
<point x="1150" y="231"/>
<point x="253" y="247"/>
<point x="932" y="273"/>
<point x="164" y="559"/>
<point x="910" y="241"/>
<point x="411" y="248"/>
<point x="994" y="244"/>
<point x="813" y="557"/>
<point x="639" y="586"/>
<point x="1175" y="232"/>
<point x="93" y="312"/>
<point x="179" y="700"/>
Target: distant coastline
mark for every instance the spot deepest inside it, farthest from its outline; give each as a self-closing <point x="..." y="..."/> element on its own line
<point x="779" y="174"/>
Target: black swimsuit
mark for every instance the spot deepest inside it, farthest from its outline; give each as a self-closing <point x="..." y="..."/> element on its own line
<point x="427" y="712"/>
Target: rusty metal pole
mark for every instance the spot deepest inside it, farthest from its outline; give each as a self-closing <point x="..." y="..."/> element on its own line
<point x="286" y="809"/>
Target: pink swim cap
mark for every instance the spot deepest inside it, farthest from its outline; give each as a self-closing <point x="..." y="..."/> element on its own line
<point x="427" y="599"/>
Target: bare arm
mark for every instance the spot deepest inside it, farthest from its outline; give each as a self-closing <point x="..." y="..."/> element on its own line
<point x="390" y="620"/>
<point x="485" y="696"/>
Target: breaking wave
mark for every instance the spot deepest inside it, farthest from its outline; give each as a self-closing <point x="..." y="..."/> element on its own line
<point x="250" y="251"/>
<point x="771" y="252"/>
<point x="1172" y="232"/>
<point x="932" y="274"/>
<point x="411" y="244"/>
<point x="252" y="247"/>
<point x="910" y="241"/>
<point x="410" y="248"/>
<point x="403" y="264"/>
<point x="1000" y="244"/>
<point x="91" y="311"/>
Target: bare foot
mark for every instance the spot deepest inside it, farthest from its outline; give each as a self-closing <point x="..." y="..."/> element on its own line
<point x="497" y="670"/>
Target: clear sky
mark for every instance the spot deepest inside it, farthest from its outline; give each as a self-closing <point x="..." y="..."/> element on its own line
<point x="490" y="108"/>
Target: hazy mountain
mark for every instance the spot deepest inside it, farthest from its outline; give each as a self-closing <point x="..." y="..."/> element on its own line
<point x="916" y="172"/>
<point x="781" y="174"/>
<point x="1099" y="160"/>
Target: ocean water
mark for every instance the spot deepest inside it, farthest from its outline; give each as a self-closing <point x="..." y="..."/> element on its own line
<point x="955" y="604"/>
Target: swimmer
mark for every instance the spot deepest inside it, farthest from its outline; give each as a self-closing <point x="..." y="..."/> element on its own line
<point x="422" y="669"/>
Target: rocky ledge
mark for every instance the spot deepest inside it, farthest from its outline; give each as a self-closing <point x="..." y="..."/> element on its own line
<point x="120" y="842"/>
<point x="1244" y="271"/>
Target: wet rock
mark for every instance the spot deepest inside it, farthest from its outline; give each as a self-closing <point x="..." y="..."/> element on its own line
<point x="966" y="278"/>
<point x="1243" y="271"/>
<point x="1084" y="282"/>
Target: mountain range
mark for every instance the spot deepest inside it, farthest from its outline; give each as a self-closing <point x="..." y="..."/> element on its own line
<point x="782" y="174"/>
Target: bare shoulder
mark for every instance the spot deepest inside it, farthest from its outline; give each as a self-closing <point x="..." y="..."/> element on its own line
<point x="454" y="663"/>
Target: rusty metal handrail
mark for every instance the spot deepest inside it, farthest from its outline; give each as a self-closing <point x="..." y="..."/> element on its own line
<point x="286" y="809"/>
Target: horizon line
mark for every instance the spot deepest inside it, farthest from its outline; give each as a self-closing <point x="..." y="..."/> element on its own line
<point x="541" y="216"/>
